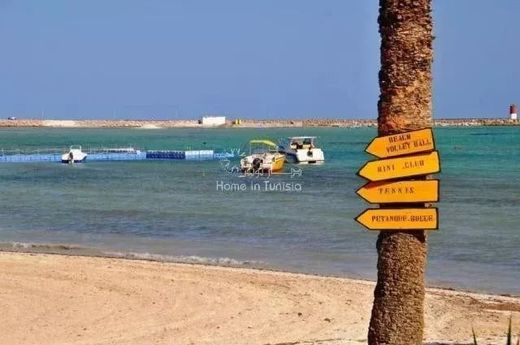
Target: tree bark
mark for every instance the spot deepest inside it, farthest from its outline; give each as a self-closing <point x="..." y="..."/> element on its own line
<point x="405" y="103"/>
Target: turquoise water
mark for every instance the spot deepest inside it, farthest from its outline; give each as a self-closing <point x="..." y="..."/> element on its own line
<point x="175" y="208"/>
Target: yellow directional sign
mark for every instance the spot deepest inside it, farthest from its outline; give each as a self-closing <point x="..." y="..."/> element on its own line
<point x="402" y="144"/>
<point x="392" y="168"/>
<point x="400" y="191"/>
<point x="399" y="219"/>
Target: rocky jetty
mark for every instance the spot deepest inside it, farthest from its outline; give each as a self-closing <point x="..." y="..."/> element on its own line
<point x="244" y="123"/>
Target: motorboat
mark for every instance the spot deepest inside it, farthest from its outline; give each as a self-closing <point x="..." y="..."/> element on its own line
<point x="263" y="157"/>
<point x="302" y="150"/>
<point x="75" y="155"/>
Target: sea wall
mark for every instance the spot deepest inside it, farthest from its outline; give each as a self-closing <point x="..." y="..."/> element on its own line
<point x="244" y="123"/>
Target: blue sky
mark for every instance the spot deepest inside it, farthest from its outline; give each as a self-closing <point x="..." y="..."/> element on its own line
<point x="267" y="58"/>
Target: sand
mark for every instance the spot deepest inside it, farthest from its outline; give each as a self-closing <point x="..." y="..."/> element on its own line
<point x="54" y="299"/>
<point x="60" y="123"/>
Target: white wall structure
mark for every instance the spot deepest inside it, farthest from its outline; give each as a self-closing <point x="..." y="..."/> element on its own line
<point x="213" y="120"/>
<point x="199" y="155"/>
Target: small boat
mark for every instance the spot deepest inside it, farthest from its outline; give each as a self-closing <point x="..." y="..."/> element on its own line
<point x="263" y="157"/>
<point x="75" y="155"/>
<point x="302" y="150"/>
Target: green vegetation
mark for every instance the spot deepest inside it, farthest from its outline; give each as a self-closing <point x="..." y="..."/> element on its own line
<point x="509" y="335"/>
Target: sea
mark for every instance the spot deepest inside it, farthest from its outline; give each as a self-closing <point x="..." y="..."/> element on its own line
<point x="298" y="221"/>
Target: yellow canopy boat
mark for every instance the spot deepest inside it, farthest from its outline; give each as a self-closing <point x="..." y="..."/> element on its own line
<point x="263" y="157"/>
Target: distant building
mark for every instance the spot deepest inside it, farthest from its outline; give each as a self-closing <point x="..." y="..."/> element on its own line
<point x="212" y="121"/>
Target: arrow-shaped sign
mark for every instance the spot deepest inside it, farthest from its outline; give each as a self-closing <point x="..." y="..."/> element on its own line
<point x="399" y="219"/>
<point x="392" y="168"/>
<point x="402" y="144"/>
<point x="400" y="191"/>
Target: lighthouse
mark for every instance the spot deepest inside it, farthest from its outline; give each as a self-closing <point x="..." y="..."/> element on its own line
<point x="513" y="112"/>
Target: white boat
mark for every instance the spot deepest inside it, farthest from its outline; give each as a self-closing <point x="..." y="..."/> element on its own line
<point x="263" y="157"/>
<point x="75" y="155"/>
<point x="302" y="150"/>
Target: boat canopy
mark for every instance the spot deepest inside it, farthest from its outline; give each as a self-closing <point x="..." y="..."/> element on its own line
<point x="298" y="138"/>
<point x="302" y="140"/>
<point x="265" y="142"/>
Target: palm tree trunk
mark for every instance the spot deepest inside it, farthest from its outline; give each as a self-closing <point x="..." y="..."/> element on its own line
<point x="405" y="104"/>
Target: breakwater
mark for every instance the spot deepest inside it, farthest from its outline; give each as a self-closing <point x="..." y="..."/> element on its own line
<point x="244" y="123"/>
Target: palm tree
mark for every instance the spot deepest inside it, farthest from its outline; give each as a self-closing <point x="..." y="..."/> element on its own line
<point x="405" y="103"/>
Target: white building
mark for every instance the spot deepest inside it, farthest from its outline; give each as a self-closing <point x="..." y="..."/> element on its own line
<point x="212" y="121"/>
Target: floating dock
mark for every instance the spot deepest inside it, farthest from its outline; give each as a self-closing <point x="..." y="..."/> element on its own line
<point x="116" y="155"/>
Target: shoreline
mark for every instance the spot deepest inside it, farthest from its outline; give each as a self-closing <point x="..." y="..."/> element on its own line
<point x="72" y="250"/>
<point x="244" y="123"/>
<point x="57" y="299"/>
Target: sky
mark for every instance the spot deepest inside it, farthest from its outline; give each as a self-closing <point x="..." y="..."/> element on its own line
<point x="168" y="59"/>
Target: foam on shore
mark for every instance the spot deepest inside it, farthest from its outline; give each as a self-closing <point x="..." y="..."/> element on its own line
<point x="76" y="250"/>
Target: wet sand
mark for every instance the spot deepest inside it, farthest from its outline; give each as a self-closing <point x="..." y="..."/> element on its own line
<point x="55" y="299"/>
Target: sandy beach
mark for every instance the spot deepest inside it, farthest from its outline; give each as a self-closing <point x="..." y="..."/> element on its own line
<point x="55" y="299"/>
